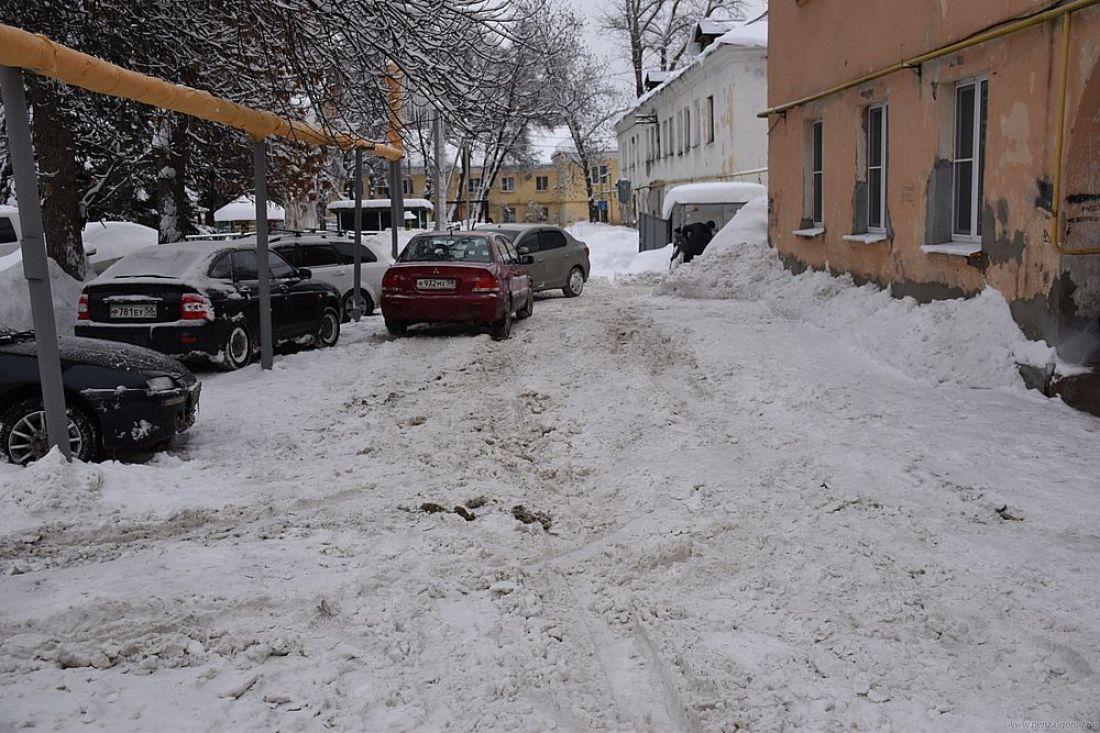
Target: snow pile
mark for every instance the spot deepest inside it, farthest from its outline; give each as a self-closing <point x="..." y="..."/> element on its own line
<point x="15" y="304"/>
<point x="613" y="251"/>
<point x="112" y="240"/>
<point x="969" y="342"/>
<point x="50" y="484"/>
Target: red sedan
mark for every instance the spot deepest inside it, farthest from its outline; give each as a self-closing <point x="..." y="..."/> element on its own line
<point x="457" y="277"/>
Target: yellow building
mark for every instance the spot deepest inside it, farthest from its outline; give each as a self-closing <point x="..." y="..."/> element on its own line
<point x="554" y="193"/>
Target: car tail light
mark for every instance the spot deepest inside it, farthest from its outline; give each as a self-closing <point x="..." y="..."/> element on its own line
<point x="82" y="313"/>
<point x="195" y="307"/>
<point x="485" y="284"/>
<point x="393" y="281"/>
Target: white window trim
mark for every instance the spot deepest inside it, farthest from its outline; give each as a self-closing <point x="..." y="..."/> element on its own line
<point x="811" y="233"/>
<point x="955" y="248"/>
<point x="979" y="150"/>
<point x="883" y="147"/>
<point x="868" y="238"/>
<point x="504" y="188"/>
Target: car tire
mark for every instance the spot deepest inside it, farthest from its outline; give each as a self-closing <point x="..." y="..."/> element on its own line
<point x="574" y="284"/>
<point x="238" y="348"/>
<point x="528" y="309"/>
<point x="502" y="329"/>
<point x="23" y="438"/>
<point x="368" y="304"/>
<point x="397" y="328"/>
<point x="328" y="331"/>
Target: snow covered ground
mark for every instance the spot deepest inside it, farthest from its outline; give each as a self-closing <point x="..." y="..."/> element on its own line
<point x="752" y="521"/>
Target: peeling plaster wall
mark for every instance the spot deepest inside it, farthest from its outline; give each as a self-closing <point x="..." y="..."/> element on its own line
<point x="1053" y="297"/>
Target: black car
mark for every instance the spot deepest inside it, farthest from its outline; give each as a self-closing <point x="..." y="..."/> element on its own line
<point x="119" y="398"/>
<point x="201" y="300"/>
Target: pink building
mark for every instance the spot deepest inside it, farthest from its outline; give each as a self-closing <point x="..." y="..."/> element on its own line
<point x="916" y="144"/>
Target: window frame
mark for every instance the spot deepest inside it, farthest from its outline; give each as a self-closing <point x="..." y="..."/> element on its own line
<point x="470" y="187"/>
<point x="542" y="183"/>
<point x="817" y="173"/>
<point x="709" y="128"/>
<point x="504" y="184"/>
<point x="407" y="185"/>
<point x="883" y="147"/>
<point x="979" y="85"/>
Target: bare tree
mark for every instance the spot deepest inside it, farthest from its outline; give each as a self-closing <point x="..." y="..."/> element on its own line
<point x="656" y="31"/>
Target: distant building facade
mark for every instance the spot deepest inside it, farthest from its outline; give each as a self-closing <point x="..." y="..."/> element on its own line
<point x="553" y="192"/>
<point x="699" y="123"/>
<point x="938" y="178"/>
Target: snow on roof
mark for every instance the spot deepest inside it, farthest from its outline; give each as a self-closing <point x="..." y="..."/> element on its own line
<point x="713" y="27"/>
<point x="244" y="209"/>
<point x="720" y="192"/>
<point x="656" y="76"/>
<point x="379" y="204"/>
<point x="751" y="34"/>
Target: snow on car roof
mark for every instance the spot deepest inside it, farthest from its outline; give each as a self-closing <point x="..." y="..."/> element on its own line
<point x="176" y="261"/>
<point x="380" y="204"/>
<point x="718" y="192"/>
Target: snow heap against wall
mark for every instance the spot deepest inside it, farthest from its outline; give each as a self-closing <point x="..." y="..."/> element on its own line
<point x="969" y="342"/>
<point x="15" y="303"/>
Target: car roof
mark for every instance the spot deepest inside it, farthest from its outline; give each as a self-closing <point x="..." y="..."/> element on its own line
<point x="514" y="227"/>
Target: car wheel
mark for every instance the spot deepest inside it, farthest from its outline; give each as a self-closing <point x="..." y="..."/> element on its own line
<point x="397" y="328"/>
<point x="237" y="348"/>
<point x="575" y="284"/>
<point x="328" y="333"/>
<point x="23" y="436"/>
<point x="502" y="329"/>
<point x="528" y="309"/>
<point x="366" y="304"/>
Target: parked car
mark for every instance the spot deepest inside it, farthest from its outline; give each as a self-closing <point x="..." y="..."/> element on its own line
<point x="559" y="260"/>
<point x="201" y="300"/>
<point x="10" y="230"/>
<point x="331" y="259"/>
<point x="460" y="277"/>
<point x="118" y="397"/>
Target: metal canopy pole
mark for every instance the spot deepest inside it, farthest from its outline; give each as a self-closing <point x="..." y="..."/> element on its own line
<point x="357" y="258"/>
<point x="259" y="155"/>
<point x="440" y="161"/>
<point x="35" y="263"/>
<point x="397" y="204"/>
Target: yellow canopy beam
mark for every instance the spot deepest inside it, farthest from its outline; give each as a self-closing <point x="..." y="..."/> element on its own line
<point x="39" y="54"/>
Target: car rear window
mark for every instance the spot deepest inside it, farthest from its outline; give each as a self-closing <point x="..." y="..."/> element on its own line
<point x="162" y="260"/>
<point x="7" y="231"/>
<point x="347" y="253"/>
<point x="317" y="255"/>
<point x="550" y="239"/>
<point x="447" y="249"/>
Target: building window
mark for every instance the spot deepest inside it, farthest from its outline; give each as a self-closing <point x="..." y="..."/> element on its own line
<point x="971" y="99"/>
<point x="508" y="184"/>
<point x="600" y="174"/>
<point x="542" y="183"/>
<point x="877" y="135"/>
<point x="817" y="175"/>
<point x="687" y="129"/>
<point x="708" y="119"/>
<point x="696" y="135"/>
<point x="668" y="139"/>
<point x="474" y="185"/>
<point x="407" y="186"/>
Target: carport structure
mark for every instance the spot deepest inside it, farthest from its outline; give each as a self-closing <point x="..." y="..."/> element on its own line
<point x="20" y="50"/>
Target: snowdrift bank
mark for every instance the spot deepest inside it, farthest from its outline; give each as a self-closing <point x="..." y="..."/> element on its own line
<point x="15" y="304"/>
<point x="972" y="342"/>
<point x="614" y="251"/>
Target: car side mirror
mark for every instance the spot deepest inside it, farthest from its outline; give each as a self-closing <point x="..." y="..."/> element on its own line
<point x="89" y="251"/>
<point x="526" y="260"/>
<point x="305" y="273"/>
<point x="524" y="251"/>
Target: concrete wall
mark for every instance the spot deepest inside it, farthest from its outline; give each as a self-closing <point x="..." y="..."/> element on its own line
<point x="736" y="77"/>
<point x="1052" y="297"/>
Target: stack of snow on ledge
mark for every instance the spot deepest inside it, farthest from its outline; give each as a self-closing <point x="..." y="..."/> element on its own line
<point x="966" y="342"/>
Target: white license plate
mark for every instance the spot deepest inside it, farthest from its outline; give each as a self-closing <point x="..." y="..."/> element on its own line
<point x="427" y="283"/>
<point x="133" y="311"/>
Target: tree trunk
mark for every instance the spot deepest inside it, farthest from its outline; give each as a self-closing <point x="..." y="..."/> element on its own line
<point x="170" y="155"/>
<point x="54" y="148"/>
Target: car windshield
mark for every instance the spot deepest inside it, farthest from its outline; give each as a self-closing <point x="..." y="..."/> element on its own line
<point x="160" y="261"/>
<point x="449" y="248"/>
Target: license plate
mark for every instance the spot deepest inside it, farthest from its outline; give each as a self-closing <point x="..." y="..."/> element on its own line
<point x="133" y="311"/>
<point x="427" y="283"/>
